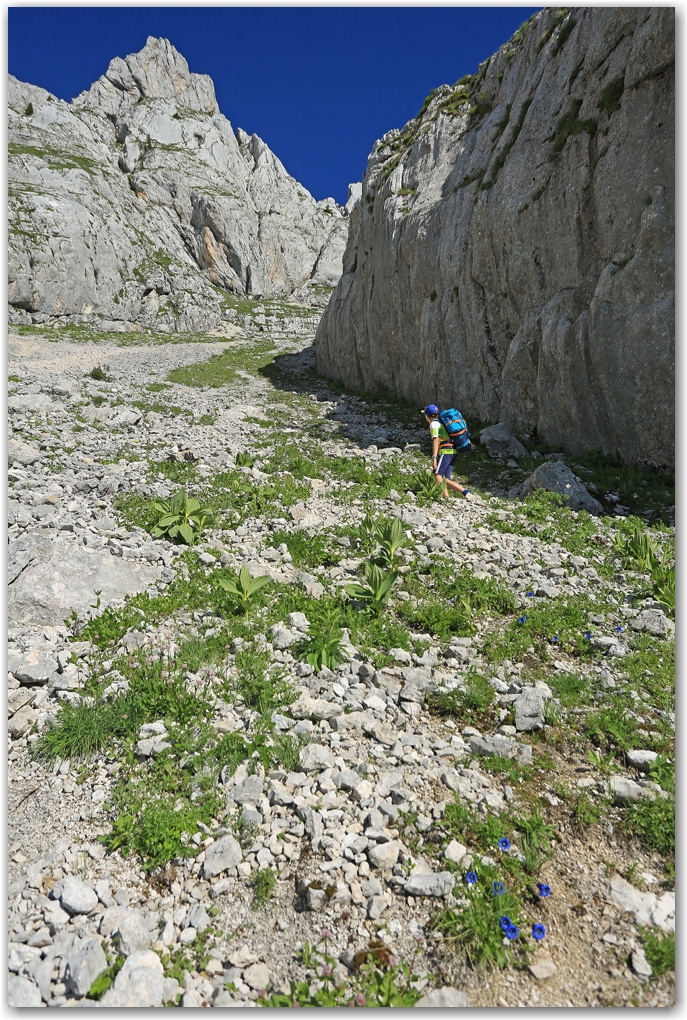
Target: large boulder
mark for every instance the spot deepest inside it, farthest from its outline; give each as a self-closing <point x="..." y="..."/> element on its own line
<point x="498" y="441"/>
<point x="50" y="577"/>
<point x="554" y="476"/>
<point x="22" y="453"/>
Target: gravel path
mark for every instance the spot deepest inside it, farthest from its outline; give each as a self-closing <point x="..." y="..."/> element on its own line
<point x="359" y="830"/>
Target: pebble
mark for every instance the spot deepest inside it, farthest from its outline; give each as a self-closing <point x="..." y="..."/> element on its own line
<point x="444" y="998"/>
<point x="542" y="969"/>
<point x="75" y="896"/>
<point x="440" y="884"/>
<point x="140" y="982"/>
<point x="223" y="854"/>
<point x="83" y="967"/>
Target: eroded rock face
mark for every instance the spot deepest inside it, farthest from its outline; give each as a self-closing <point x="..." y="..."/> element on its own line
<point x="512" y="252"/>
<point x="132" y="203"/>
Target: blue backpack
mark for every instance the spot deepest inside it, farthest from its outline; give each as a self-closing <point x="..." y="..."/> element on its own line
<point x="456" y="426"/>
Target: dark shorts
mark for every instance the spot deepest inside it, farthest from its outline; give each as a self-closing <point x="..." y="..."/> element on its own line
<point x="445" y="465"/>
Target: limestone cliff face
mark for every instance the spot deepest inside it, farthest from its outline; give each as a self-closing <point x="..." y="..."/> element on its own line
<point x="513" y="249"/>
<point x="137" y="203"/>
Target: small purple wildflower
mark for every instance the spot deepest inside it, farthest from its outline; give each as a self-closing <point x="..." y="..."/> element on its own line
<point x="325" y="933"/>
<point x="360" y="999"/>
<point x="538" y="932"/>
<point x="327" y="970"/>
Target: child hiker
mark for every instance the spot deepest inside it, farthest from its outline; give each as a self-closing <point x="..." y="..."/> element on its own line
<point x="443" y="452"/>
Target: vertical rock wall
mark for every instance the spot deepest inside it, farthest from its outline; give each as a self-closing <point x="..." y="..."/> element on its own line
<point x="513" y="248"/>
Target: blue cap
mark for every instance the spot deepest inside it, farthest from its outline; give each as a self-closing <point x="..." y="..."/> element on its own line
<point x="431" y="409"/>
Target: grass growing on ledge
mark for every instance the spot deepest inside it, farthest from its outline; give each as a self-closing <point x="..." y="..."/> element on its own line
<point x="570" y="124"/>
<point x="609" y="100"/>
<point x="558" y="17"/>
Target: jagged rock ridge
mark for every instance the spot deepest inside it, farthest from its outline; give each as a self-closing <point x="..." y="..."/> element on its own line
<point x="513" y="251"/>
<point x="138" y="204"/>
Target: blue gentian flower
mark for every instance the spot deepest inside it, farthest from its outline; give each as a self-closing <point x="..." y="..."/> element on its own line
<point x="538" y="932"/>
<point x="512" y="932"/>
<point x="544" y="890"/>
<point x="505" y="923"/>
<point x="521" y="619"/>
<point x="530" y="594"/>
<point x="504" y="843"/>
<point x="555" y="639"/>
<point x="588" y="635"/>
<point x="619" y="629"/>
<point x="471" y="878"/>
<point x="499" y="888"/>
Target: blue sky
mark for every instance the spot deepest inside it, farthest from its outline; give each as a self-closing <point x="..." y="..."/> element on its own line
<point x="319" y="85"/>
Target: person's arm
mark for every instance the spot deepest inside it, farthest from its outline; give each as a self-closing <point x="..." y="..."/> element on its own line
<point x="435" y="451"/>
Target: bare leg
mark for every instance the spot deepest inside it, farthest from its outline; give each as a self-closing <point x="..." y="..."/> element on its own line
<point x="440" y="480"/>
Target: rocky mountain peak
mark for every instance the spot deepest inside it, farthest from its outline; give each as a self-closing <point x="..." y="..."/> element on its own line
<point x="137" y="204"/>
<point x="158" y="71"/>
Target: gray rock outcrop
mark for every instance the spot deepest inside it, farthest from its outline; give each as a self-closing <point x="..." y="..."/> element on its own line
<point x="513" y="249"/>
<point x="137" y="205"/>
<point x="49" y="578"/>
<point x="499" y="442"/>
<point x="554" y="476"/>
